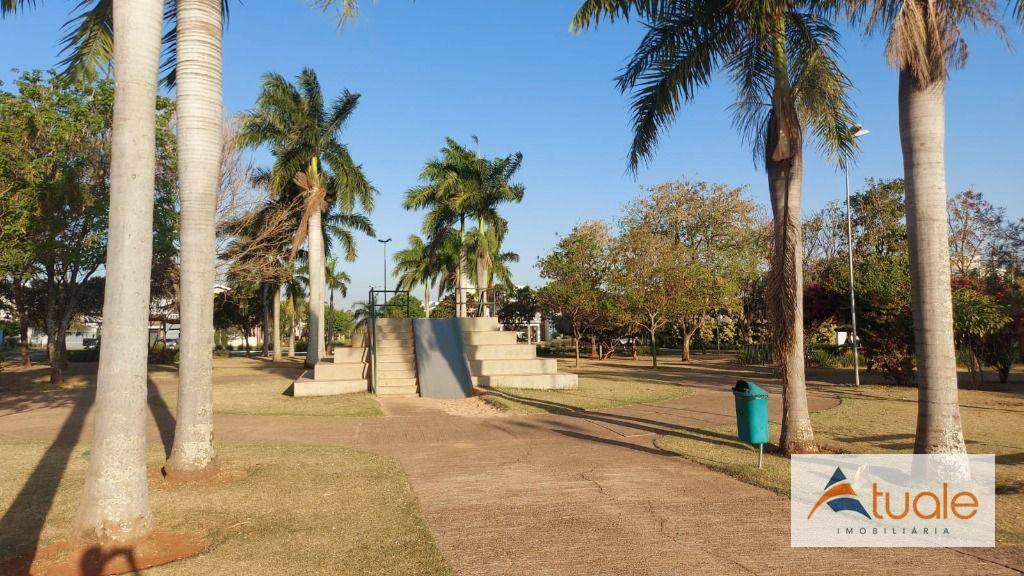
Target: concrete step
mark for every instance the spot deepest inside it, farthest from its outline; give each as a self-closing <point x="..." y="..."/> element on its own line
<point x="395" y="362"/>
<point x="479" y="324"/>
<point x="563" y="381"/>
<point x="501" y="352"/>
<point x="489" y="337"/>
<point x="391" y="345"/>
<point x="528" y="366"/>
<point x="397" y="391"/>
<point x="341" y="371"/>
<point x="307" y="386"/>
<point x="384" y="373"/>
<point x="353" y="354"/>
<point x="392" y="335"/>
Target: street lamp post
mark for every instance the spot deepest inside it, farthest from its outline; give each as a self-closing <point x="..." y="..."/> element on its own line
<point x="385" y="243"/>
<point x="858" y="131"/>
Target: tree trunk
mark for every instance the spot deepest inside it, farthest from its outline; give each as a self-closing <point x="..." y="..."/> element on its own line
<point x="315" y="245"/>
<point x="115" y="502"/>
<point x="687" y="336"/>
<point x="922" y="135"/>
<point x="277" y="324"/>
<point x="26" y="359"/>
<point x="426" y="299"/>
<point x="330" y="326"/>
<point x="786" y="296"/>
<point x="200" y="133"/>
<point x="460" y="290"/>
<point x="654" y="349"/>
<point x="576" y="344"/>
<point x="265" y="329"/>
<point x="291" y="332"/>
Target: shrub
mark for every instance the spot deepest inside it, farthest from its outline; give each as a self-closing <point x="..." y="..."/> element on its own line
<point x="90" y="355"/>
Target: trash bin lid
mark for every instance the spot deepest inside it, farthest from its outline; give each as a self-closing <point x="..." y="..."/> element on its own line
<point x="748" y="389"/>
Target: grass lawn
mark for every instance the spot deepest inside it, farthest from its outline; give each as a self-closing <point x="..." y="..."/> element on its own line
<point x="295" y="510"/>
<point x="248" y="386"/>
<point x="880" y="419"/>
<point x="593" y="393"/>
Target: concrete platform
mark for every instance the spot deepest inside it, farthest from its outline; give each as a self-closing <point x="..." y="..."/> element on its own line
<point x="489" y="337"/>
<point x="307" y="386"/>
<point x="341" y="371"/>
<point x="354" y="354"/>
<point x="563" y="381"/>
<point x="529" y="366"/>
<point x="501" y="352"/>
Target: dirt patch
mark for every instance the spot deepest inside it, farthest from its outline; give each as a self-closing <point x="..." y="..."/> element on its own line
<point x="473" y="407"/>
<point x="69" y="558"/>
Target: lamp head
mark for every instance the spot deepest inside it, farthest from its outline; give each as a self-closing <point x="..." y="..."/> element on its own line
<point x="859" y="131"/>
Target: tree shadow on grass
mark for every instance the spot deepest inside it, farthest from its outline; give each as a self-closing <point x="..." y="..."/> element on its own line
<point x="22" y="524"/>
<point x="646" y="425"/>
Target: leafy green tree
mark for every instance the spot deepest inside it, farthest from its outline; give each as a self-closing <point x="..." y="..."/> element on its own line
<point x="783" y="59"/>
<point x="976" y="318"/>
<point x="577" y="272"/>
<point x="713" y="230"/>
<point x="519" y="309"/>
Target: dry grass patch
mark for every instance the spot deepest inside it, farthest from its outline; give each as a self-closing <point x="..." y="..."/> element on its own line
<point x="296" y="510"/>
<point x="882" y="419"/>
<point x="593" y="393"/>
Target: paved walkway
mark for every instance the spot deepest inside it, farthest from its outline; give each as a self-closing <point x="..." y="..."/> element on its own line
<point x="580" y="494"/>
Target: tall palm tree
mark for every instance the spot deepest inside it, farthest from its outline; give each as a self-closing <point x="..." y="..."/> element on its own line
<point x="115" y="502"/>
<point x="295" y="292"/>
<point x="336" y="280"/>
<point x="924" y="41"/>
<point x="200" y="116"/>
<point x="492" y="263"/>
<point x="304" y="136"/>
<point x="460" y="186"/>
<point x="782" y="59"/>
<point x="491" y="227"/>
<point x="415" y="265"/>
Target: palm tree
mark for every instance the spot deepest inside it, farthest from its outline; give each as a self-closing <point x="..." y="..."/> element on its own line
<point x="361" y="314"/>
<point x="782" y="58"/>
<point x="925" y="41"/>
<point x="492" y="263"/>
<point x="303" y="135"/>
<point x="295" y="292"/>
<point x="497" y="190"/>
<point x="415" y="265"/>
<point x="115" y="502"/>
<point x="199" y="87"/>
<point x="459" y="185"/>
<point x="336" y="280"/>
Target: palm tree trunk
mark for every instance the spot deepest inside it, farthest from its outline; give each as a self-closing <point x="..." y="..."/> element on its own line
<point x="785" y="178"/>
<point x="330" y="326"/>
<point x="426" y="299"/>
<point x="460" y="289"/>
<point x="922" y="134"/>
<point x="277" y="324"/>
<point x="315" y="245"/>
<point x="291" y="331"/>
<point x="265" y="309"/>
<point x="115" y="501"/>
<point x="200" y="134"/>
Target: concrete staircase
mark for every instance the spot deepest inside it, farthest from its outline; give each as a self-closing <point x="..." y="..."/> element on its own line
<point x="496" y="360"/>
<point x="396" y="358"/>
<point x="348" y="372"/>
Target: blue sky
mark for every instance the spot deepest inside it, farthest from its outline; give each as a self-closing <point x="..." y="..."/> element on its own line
<point x="514" y="76"/>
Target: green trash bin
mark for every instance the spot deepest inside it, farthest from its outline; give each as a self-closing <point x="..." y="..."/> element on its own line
<point x="751" y="414"/>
